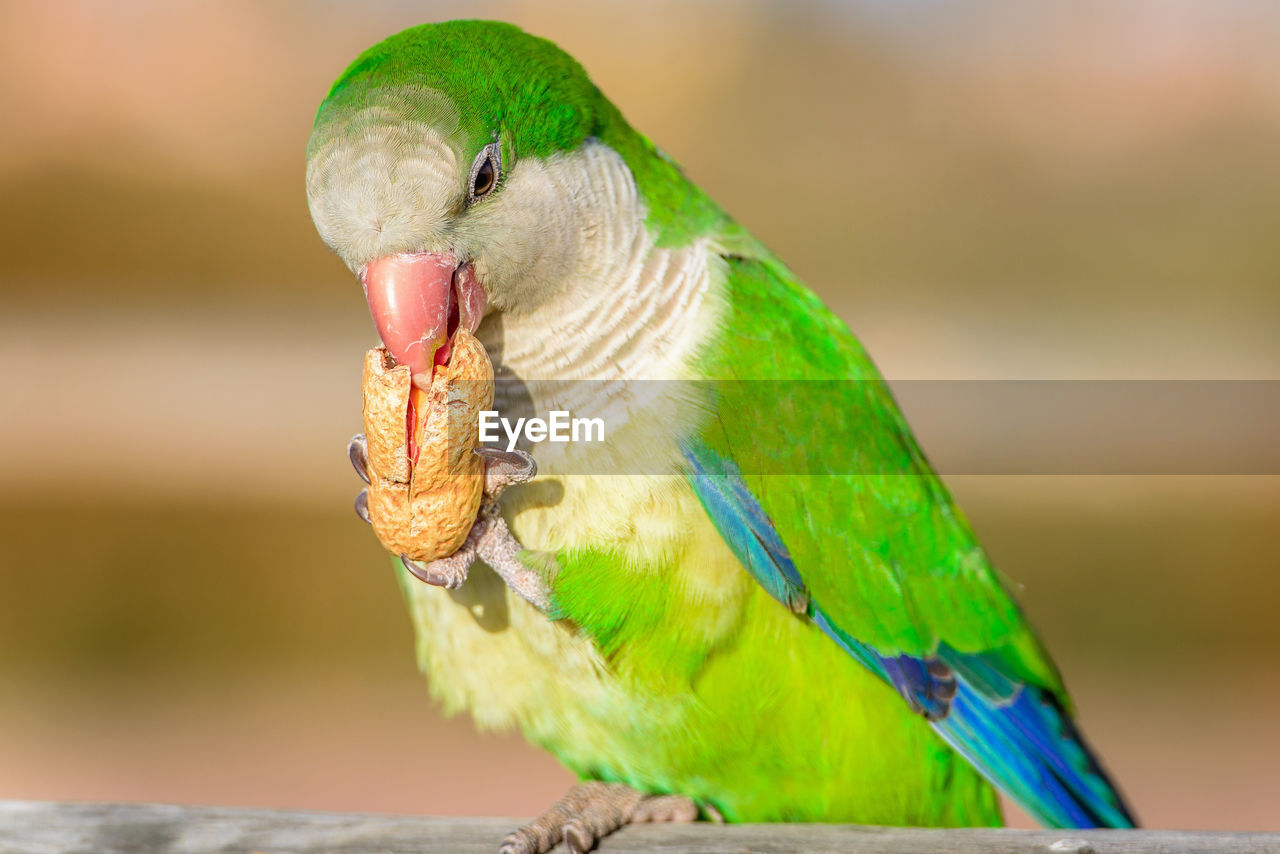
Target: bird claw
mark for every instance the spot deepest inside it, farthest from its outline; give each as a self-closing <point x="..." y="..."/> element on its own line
<point x="591" y="811"/>
<point x="362" y="506"/>
<point x="358" y="453"/>
<point x="488" y="540"/>
<point x="504" y="468"/>
<point x="501" y="470"/>
<point x="447" y="572"/>
<point x="451" y="572"/>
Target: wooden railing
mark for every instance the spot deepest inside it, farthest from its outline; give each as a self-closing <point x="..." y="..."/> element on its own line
<point x="29" y="827"/>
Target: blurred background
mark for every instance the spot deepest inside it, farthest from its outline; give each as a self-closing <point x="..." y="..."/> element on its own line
<point x="190" y="611"/>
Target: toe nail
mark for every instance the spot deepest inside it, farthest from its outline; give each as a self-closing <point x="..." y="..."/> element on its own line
<point x="517" y="843"/>
<point x="418" y="570"/>
<point x="577" y="839"/>
<point x="362" y="505"/>
<point x="521" y="462"/>
<point x="423" y="573"/>
<point x="358" y="452"/>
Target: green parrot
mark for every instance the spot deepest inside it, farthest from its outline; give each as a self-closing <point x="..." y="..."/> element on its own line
<point x="755" y="601"/>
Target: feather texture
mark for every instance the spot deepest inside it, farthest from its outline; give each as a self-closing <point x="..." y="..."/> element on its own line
<point x="933" y="620"/>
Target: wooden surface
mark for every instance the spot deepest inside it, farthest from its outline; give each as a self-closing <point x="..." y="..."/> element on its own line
<point x="28" y="827"/>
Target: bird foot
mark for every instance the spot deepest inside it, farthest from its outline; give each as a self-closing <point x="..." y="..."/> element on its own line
<point x="503" y="469"/>
<point x="591" y="811"/>
<point x="489" y="539"/>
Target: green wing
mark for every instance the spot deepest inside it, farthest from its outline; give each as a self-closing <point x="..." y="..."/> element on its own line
<point x="811" y="475"/>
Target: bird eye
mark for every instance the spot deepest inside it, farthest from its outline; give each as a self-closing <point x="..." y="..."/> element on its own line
<point x="485" y="173"/>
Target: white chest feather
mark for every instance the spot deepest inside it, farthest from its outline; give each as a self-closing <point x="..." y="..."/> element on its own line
<point x="613" y="338"/>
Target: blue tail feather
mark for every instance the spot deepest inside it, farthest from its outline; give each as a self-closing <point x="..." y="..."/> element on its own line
<point x="1029" y="748"/>
<point x="1019" y="738"/>
<point x="1016" y="735"/>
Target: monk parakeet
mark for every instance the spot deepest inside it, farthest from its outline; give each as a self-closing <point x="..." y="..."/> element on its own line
<point x="755" y="601"/>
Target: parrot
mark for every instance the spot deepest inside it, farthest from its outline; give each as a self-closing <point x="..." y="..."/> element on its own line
<point x="755" y="601"/>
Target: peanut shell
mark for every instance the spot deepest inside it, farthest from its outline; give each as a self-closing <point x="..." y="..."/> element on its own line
<point x="424" y="508"/>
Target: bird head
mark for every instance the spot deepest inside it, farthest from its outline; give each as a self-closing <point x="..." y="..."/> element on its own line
<point x="446" y="168"/>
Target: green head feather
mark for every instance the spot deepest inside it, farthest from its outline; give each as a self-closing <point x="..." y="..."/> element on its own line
<point x="483" y="81"/>
<point x="498" y="78"/>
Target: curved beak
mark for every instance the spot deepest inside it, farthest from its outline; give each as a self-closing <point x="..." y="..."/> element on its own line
<point x="417" y="301"/>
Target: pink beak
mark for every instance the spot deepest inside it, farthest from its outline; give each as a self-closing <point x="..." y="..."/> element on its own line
<point x="417" y="301"/>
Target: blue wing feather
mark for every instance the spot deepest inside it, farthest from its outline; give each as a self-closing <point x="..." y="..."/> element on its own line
<point x="1017" y="735"/>
<point x="743" y="524"/>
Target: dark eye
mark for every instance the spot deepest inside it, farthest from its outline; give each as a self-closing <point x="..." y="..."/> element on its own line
<point x="485" y="173"/>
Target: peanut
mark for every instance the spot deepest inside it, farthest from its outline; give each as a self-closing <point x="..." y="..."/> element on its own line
<point x="424" y="494"/>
